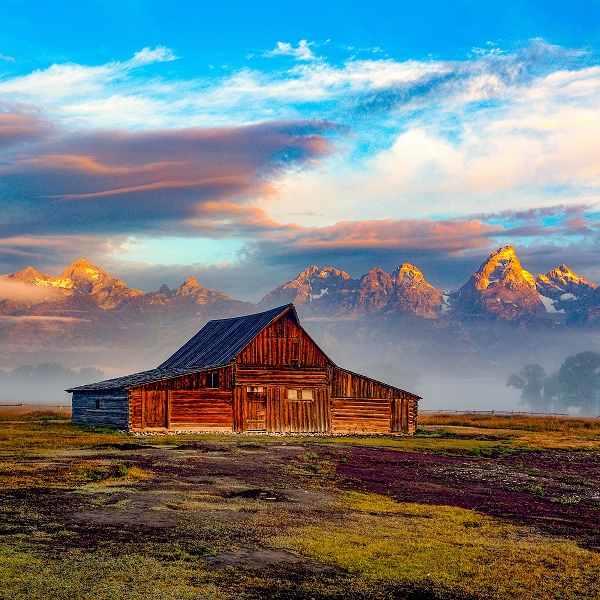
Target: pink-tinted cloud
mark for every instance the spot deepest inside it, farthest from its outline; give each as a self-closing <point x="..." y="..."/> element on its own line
<point x="132" y="182"/>
<point x="40" y="319"/>
<point x="429" y="235"/>
<point x="18" y="127"/>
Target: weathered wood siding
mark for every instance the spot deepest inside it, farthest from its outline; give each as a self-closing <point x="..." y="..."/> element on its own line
<point x="201" y="409"/>
<point x="285" y="376"/>
<point x="190" y="401"/>
<point x="413" y="412"/>
<point x="346" y="384"/>
<point x="297" y="416"/>
<point x="360" y="415"/>
<point x="100" y="408"/>
<point x="135" y="409"/>
<point x="194" y="381"/>
<point x="283" y="415"/>
<point x="363" y="404"/>
<point x="282" y="344"/>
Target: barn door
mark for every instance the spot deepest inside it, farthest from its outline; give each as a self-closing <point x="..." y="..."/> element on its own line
<point x="397" y="423"/>
<point x="255" y="413"/>
<point x="154" y="409"/>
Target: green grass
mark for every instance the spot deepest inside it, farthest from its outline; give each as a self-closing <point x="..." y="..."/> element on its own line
<point x="102" y="576"/>
<point x="441" y="548"/>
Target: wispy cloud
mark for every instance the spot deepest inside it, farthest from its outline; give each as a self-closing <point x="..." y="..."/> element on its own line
<point x="302" y="51"/>
<point x="18" y="291"/>
<point x="123" y="182"/>
<point x="6" y="58"/>
<point x="148" y="56"/>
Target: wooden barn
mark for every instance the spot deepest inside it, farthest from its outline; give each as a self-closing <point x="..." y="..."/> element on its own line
<point x="259" y="372"/>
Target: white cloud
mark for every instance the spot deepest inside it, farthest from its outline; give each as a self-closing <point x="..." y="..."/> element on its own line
<point x="6" y="58"/>
<point x="119" y="94"/>
<point x="147" y="56"/>
<point x="537" y="147"/>
<point x="60" y="84"/>
<point x="300" y="52"/>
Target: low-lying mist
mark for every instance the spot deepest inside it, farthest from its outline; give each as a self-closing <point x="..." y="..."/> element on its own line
<point x="452" y="368"/>
<point x="43" y="383"/>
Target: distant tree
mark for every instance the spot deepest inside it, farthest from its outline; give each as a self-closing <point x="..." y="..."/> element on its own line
<point x="551" y="389"/>
<point x="530" y="380"/>
<point x="579" y="382"/>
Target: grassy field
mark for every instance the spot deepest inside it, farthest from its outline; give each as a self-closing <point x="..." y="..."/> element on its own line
<point x="470" y="507"/>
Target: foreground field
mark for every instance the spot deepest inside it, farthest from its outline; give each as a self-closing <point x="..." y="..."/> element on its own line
<point x="462" y="510"/>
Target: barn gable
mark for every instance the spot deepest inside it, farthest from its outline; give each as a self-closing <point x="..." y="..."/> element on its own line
<point x="283" y="343"/>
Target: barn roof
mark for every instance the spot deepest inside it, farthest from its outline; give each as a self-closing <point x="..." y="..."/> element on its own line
<point x="215" y="345"/>
<point x="221" y="340"/>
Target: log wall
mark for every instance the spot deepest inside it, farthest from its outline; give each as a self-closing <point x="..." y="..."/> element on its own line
<point x="113" y="410"/>
<point x="363" y="404"/>
<point x="202" y="409"/>
<point x="360" y="415"/>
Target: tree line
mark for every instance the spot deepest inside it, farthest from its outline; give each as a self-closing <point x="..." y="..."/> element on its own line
<point x="575" y="385"/>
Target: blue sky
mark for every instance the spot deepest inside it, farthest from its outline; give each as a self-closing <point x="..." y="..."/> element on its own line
<point x="241" y="139"/>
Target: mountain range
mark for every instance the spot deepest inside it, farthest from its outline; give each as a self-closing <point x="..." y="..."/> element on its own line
<point x="501" y="289"/>
<point x="86" y="303"/>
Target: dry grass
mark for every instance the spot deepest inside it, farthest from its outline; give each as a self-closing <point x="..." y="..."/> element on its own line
<point x="517" y="431"/>
<point x="31" y="435"/>
<point x="520" y="422"/>
<point x="34" y="412"/>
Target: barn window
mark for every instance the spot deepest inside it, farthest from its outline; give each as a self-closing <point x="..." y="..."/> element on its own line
<point x="213" y="379"/>
<point x="256" y="389"/>
<point x="98" y="404"/>
<point x="293" y="394"/>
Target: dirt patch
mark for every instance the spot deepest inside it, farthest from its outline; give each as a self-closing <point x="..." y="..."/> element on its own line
<point x="125" y="446"/>
<point x="557" y="492"/>
<point x="257" y="494"/>
<point x="255" y="558"/>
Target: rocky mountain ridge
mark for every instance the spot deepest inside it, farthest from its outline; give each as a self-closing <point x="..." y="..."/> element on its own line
<point x="90" y="292"/>
<point x="501" y="290"/>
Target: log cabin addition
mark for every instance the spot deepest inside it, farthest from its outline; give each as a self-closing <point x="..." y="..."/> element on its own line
<point x="255" y="373"/>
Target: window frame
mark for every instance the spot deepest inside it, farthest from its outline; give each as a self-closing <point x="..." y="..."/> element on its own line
<point x="255" y="389"/>
<point x="213" y="376"/>
<point x="300" y="393"/>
